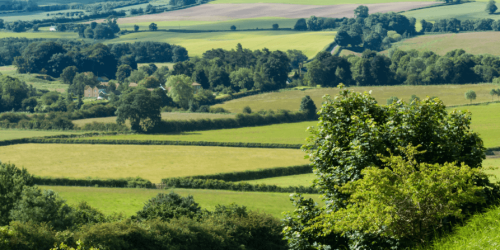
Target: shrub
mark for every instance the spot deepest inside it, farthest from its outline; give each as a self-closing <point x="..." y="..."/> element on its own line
<point x="247" y="110"/>
<point x="168" y="206"/>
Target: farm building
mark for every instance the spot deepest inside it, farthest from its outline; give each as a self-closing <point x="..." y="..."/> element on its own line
<point x="197" y="87"/>
<point x="94" y="92"/>
<point x="53" y="28"/>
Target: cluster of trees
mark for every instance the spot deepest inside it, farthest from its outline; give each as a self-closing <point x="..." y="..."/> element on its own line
<point x="29" y="5"/>
<point x="105" y="6"/>
<point x="374" y="31"/>
<point x="399" y="156"/>
<point x="52" y="57"/>
<point x="103" y="30"/>
<point x="403" y="67"/>
<point x="317" y="23"/>
<point x="30" y="217"/>
<point x="453" y="25"/>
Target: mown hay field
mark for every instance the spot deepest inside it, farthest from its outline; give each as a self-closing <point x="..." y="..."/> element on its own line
<point x="9" y="134"/>
<point x="285" y="181"/>
<point x="471" y="42"/>
<point x="164" y="116"/>
<point x="320" y="2"/>
<point x="131" y="200"/>
<point x="290" y="99"/>
<point x="150" y="162"/>
<point x="197" y="43"/>
<point x="472" y="10"/>
<point x="288" y="133"/>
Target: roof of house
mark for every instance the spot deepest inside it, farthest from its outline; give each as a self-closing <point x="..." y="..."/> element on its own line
<point x="150" y="89"/>
<point x="195" y="84"/>
<point x="102" y="78"/>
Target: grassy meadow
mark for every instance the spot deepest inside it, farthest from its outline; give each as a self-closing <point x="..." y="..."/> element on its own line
<point x="9" y="134"/>
<point x="285" y="181"/>
<point x="318" y="2"/>
<point x="472" y="10"/>
<point x="241" y="24"/>
<point x="40" y="34"/>
<point x="290" y="99"/>
<point x="288" y="133"/>
<point x="164" y="116"/>
<point x="197" y="43"/>
<point x="150" y="162"/>
<point x="486" y="122"/>
<point x="32" y="80"/>
<point x="131" y="200"/>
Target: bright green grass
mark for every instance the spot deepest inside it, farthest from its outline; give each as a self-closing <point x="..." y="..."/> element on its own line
<point x="164" y="116"/>
<point x="251" y="23"/>
<point x="285" y="181"/>
<point x="474" y="10"/>
<point x="9" y="134"/>
<point x="486" y="122"/>
<point x="289" y="133"/>
<point x="131" y="200"/>
<point x="479" y="232"/>
<point x="150" y="162"/>
<point x="290" y="99"/>
<point x="318" y="2"/>
<point x="197" y="43"/>
<point x="32" y="80"/>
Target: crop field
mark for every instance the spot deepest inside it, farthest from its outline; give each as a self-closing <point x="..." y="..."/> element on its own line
<point x="251" y="23"/>
<point x="197" y="43"/>
<point x="319" y="2"/>
<point x="473" y="10"/>
<point x="9" y="134"/>
<point x="290" y="99"/>
<point x="285" y="181"/>
<point x="150" y="162"/>
<point x="252" y="9"/>
<point x="164" y="116"/>
<point x="289" y="133"/>
<point x="131" y="200"/>
<point x="471" y="42"/>
<point x="40" y="34"/>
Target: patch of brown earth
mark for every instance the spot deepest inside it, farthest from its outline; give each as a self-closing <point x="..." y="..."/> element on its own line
<point x="219" y="12"/>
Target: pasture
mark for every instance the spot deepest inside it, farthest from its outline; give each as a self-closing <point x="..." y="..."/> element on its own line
<point x="9" y="134"/>
<point x="32" y="80"/>
<point x="130" y="200"/>
<point x="471" y="42"/>
<point x="486" y="122"/>
<point x="288" y="133"/>
<point x="197" y="43"/>
<point x="472" y="10"/>
<point x="150" y="162"/>
<point x="164" y="116"/>
<point x="40" y="34"/>
<point x="285" y="181"/>
<point x="290" y="99"/>
<point x="319" y="2"/>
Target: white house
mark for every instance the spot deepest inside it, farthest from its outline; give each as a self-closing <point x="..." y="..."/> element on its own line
<point x="53" y="28"/>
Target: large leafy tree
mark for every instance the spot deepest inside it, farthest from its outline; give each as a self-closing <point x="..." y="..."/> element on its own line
<point x="141" y="108"/>
<point x="352" y="133"/>
<point x="491" y="7"/>
<point x="12" y="93"/>
<point x="180" y="90"/>
<point x="68" y="74"/>
<point x="12" y="182"/>
<point x="168" y="206"/>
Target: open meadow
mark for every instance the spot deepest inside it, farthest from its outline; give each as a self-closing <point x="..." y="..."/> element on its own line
<point x="40" y="34"/>
<point x="197" y="43"/>
<point x="319" y="2"/>
<point x="131" y="200"/>
<point x="471" y="42"/>
<point x="9" y="134"/>
<point x="32" y="80"/>
<point x="290" y="99"/>
<point x="486" y="122"/>
<point x="465" y="11"/>
<point x="150" y="162"/>
<point x="288" y="133"/>
<point x="285" y="181"/>
<point x="164" y="116"/>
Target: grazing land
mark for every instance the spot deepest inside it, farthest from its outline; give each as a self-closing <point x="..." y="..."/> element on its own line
<point x="319" y="2"/>
<point x="290" y="99"/>
<point x="198" y="43"/>
<point x="131" y="200"/>
<point x="465" y="11"/>
<point x="289" y="133"/>
<point x="150" y="162"/>
<point x="471" y="42"/>
<point x="251" y="9"/>
<point x="285" y="181"/>
<point x="9" y="134"/>
<point x="32" y="80"/>
<point x="486" y="123"/>
<point x="164" y="116"/>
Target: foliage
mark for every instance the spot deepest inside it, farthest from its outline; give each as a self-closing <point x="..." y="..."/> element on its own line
<point x="491" y="7"/>
<point x="168" y="206"/>
<point x="406" y="199"/>
<point x="181" y="90"/>
<point x="141" y="108"/>
<point x="80" y="246"/>
<point x="153" y="27"/>
<point x="12" y="93"/>
<point x="69" y="74"/>
<point x="12" y="183"/>
<point x="307" y="105"/>
<point x="353" y="129"/>
<point x="328" y="70"/>
<point x="470" y="95"/>
<point x="392" y="99"/>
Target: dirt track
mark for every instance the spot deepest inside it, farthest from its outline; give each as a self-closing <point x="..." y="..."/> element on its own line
<point x="213" y="12"/>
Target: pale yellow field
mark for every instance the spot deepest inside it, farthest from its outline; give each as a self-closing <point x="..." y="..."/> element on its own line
<point x="150" y="162"/>
<point x="41" y="34"/>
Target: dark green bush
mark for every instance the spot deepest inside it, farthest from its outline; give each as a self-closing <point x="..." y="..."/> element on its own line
<point x="168" y="206"/>
<point x="12" y="183"/>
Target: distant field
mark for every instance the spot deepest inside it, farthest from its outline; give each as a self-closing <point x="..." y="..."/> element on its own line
<point x="486" y="122"/>
<point x="9" y="134"/>
<point x="285" y="181"/>
<point x="289" y="133"/>
<point x="473" y="10"/>
<point x="164" y="116"/>
<point x="30" y="79"/>
<point x="197" y="43"/>
<point x="472" y="42"/>
<point x="131" y="200"/>
<point x="450" y="94"/>
<point x="41" y="34"/>
<point x="253" y="23"/>
<point x="150" y="162"/>
<point x="318" y="2"/>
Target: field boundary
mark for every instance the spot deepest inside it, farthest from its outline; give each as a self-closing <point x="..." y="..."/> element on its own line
<point x="131" y="182"/>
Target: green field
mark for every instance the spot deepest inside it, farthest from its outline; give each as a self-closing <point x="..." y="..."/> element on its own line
<point x="9" y="134"/>
<point x="241" y="24"/>
<point x="486" y="123"/>
<point x="318" y="2"/>
<point x="32" y="80"/>
<point x="131" y="200"/>
<point x="290" y="99"/>
<point x="288" y="133"/>
<point x="197" y="43"/>
<point x="285" y="181"/>
<point x="150" y="162"/>
<point x="164" y="116"/>
<point x="473" y="10"/>
<point x="40" y="34"/>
